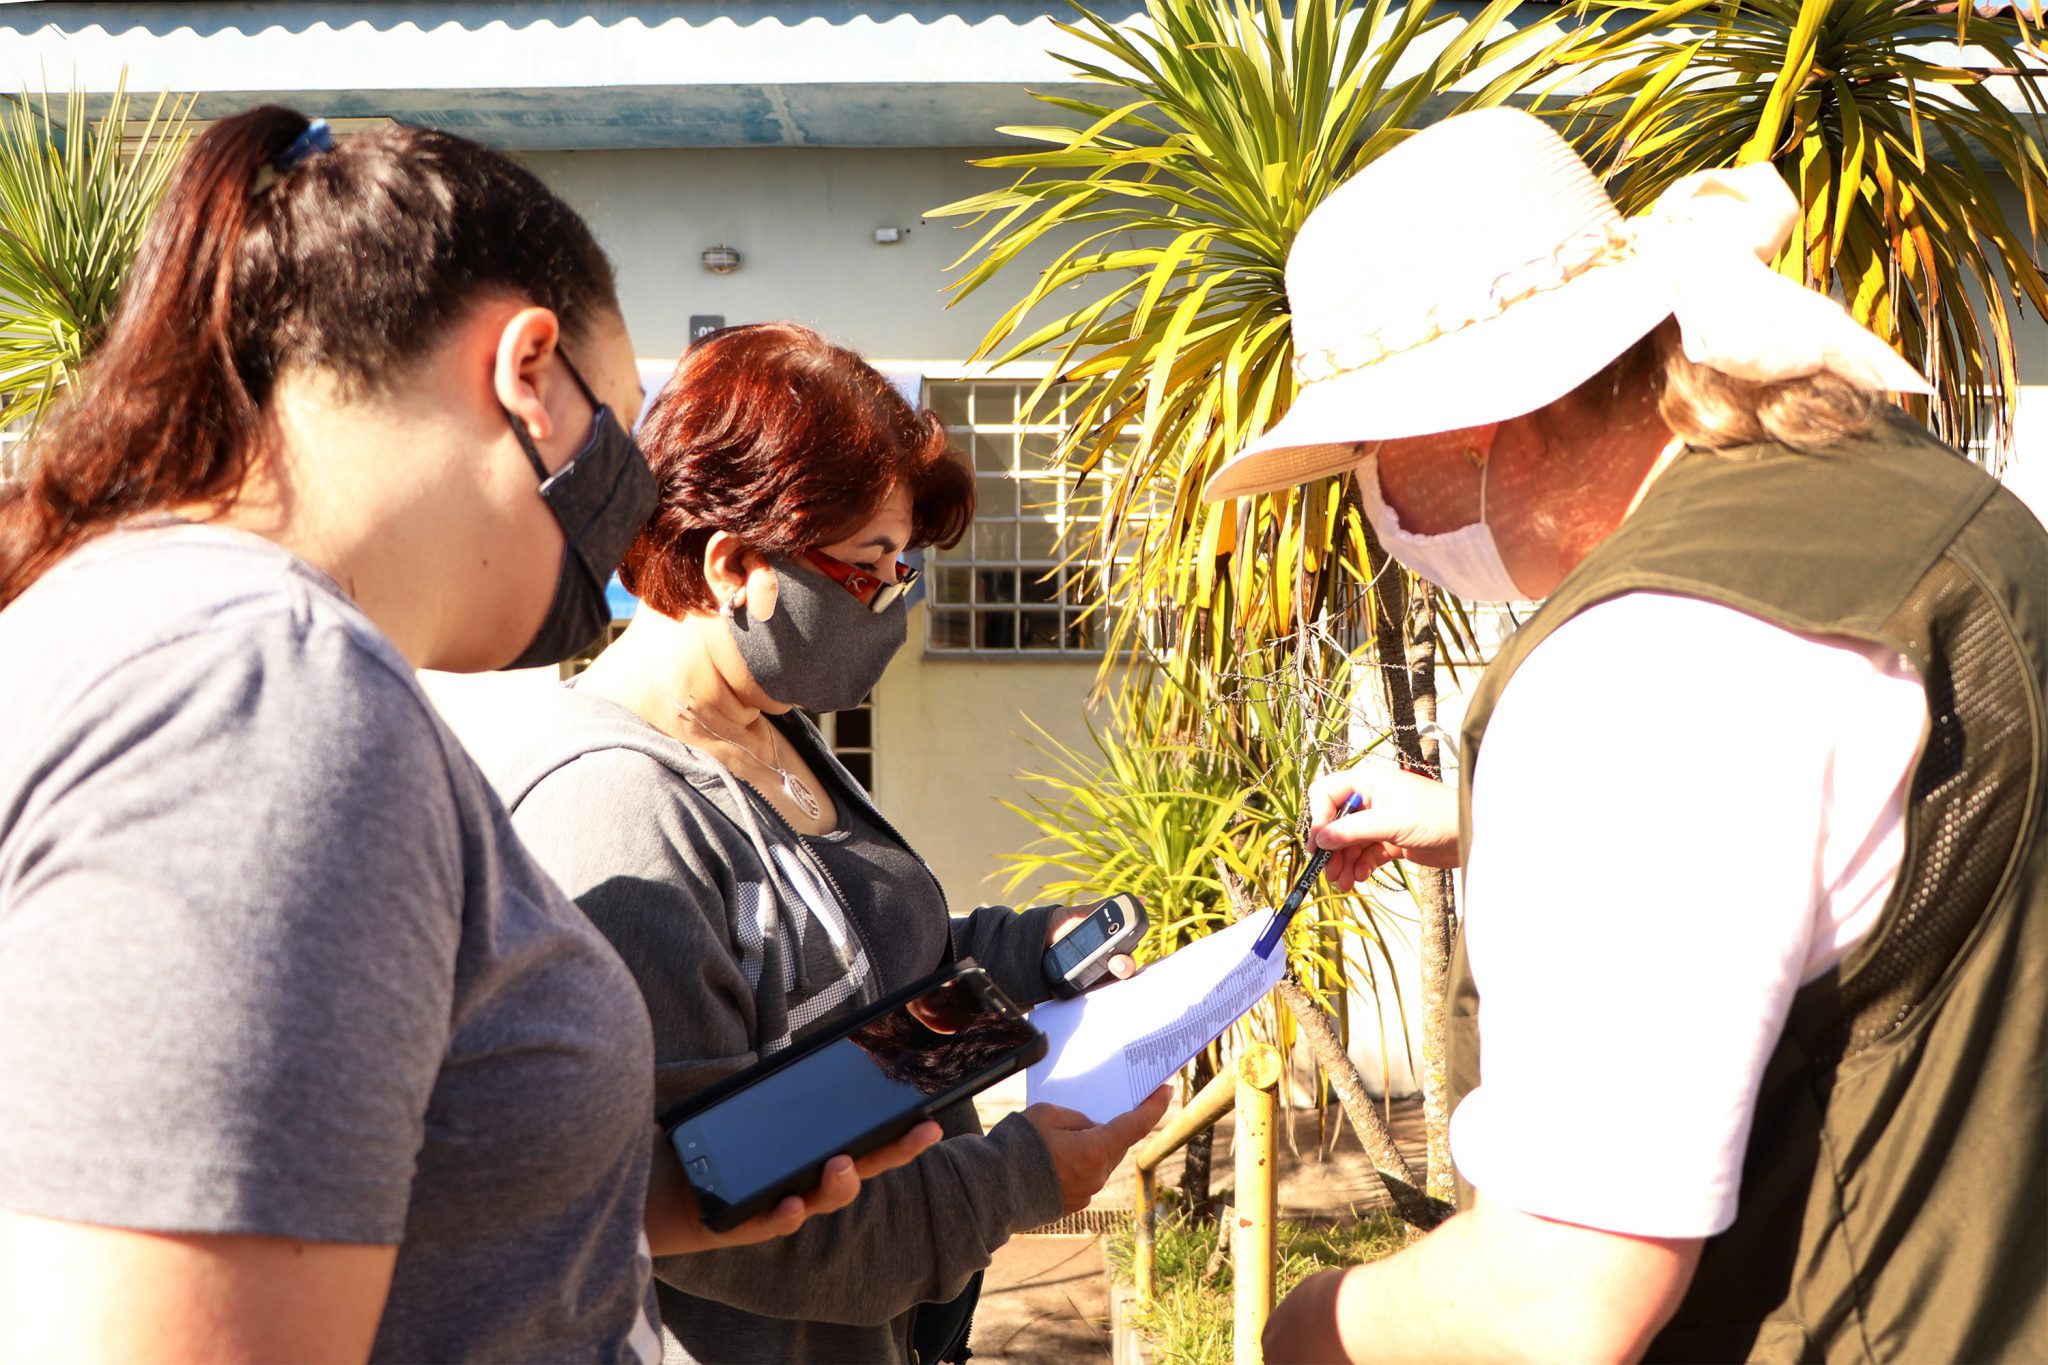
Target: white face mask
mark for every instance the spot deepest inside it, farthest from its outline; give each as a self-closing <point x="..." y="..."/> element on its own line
<point x="1464" y="563"/>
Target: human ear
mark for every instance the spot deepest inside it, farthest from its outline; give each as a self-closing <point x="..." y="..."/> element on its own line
<point x="526" y="340"/>
<point x="725" y="570"/>
<point x="761" y="587"/>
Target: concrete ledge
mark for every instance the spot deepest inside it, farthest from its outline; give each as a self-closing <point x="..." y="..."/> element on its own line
<point x="1126" y="1343"/>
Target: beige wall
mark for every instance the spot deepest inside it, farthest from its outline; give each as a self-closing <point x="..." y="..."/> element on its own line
<point x="2026" y="460"/>
<point x="803" y="222"/>
<point x="479" y="706"/>
<point x="951" y="737"/>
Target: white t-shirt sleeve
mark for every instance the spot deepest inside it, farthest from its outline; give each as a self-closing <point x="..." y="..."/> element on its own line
<point x="1682" y="814"/>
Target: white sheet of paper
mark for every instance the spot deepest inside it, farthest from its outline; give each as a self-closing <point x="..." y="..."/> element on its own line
<point x="1112" y="1047"/>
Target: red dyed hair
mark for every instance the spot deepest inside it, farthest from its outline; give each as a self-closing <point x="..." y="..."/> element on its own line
<point x="772" y="434"/>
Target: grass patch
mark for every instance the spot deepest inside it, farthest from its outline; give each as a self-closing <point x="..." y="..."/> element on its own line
<point x="1189" y="1322"/>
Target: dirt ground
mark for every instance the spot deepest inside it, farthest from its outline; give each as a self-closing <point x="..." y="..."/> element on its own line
<point x="1047" y="1295"/>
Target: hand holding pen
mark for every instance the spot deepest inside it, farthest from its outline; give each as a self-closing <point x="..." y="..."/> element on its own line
<point x="1299" y="891"/>
<point x="1371" y="813"/>
<point x="1361" y="818"/>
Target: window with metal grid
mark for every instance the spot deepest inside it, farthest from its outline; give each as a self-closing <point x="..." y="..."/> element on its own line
<point x="1002" y="590"/>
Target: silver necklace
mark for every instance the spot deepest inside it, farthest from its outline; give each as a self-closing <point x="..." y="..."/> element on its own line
<point x="792" y="786"/>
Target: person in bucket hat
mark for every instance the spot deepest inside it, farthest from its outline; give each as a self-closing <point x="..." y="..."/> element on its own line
<point x="1745" y="1019"/>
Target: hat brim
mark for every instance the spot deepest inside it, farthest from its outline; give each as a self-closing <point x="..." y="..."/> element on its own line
<point x="1535" y="352"/>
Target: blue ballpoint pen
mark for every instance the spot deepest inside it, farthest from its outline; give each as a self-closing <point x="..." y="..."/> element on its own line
<point x="1299" y="891"/>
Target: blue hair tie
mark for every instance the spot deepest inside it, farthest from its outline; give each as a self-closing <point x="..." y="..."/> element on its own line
<point x="316" y="138"/>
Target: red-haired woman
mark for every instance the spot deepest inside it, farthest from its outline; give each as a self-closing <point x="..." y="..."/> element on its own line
<point x="746" y="878"/>
<point x="301" y="1057"/>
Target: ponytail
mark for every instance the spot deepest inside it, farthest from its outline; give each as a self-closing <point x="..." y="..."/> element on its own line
<point x="161" y="415"/>
<point x="352" y="262"/>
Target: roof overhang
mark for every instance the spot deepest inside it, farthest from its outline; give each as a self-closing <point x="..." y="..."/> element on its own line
<point x="553" y="76"/>
<point x="533" y="74"/>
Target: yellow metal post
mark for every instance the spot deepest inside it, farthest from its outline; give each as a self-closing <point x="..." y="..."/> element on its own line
<point x="1258" y="1076"/>
<point x="1249" y="1086"/>
<point x="1144" y="1228"/>
<point x="1211" y="1104"/>
<point x="1198" y="1113"/>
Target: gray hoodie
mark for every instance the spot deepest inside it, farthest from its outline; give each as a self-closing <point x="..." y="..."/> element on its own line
<point x="743" y="940"/>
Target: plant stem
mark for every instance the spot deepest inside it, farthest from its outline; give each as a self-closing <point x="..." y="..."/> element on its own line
<point x="1197" y="1159"/>
<point x="1436" y="900"/>
<point x="1404" y="639"/>
<point x="1319" y="1031"/>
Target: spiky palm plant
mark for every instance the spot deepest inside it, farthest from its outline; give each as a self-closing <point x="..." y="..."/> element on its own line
<point x="1203" y="830"/>
<point x="75" y="194"/>
<point x="1169" y="817"/>
<point x="1223" y="126"/>
<point x="1224" y="123"/>
<point x="1894" y="126"/>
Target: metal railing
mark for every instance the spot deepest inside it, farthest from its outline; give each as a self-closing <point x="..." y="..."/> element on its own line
<point x="1250" y="1085"/>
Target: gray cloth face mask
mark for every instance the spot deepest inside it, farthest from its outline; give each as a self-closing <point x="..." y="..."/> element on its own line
<point x="823" y="649"/>
<point x="601" y="499"/>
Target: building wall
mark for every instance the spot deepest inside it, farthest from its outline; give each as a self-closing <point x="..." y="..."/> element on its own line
<point x="803" y="221"/>
<point x="2025" y="463"/>
<point x="952" y="737"/>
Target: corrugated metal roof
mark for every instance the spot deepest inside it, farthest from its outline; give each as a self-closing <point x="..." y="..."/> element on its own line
<point x="544" y="75"/>
<point x="536" y="74"/>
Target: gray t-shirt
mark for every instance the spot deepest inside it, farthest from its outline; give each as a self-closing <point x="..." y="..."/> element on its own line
<point x="272" y="960"/>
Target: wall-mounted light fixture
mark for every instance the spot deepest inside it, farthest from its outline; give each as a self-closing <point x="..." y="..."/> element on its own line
<point x="888" y="236"/>
<point x="721" y="260"/>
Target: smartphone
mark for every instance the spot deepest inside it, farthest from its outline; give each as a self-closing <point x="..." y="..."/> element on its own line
<point x="1081" y="957"/>
<point x="767" y="1132"/>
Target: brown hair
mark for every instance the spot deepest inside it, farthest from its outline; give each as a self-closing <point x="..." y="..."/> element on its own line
<point x="772" y="434"/>
<point x="1714" y="411"/>
<point x="353" y="261"/>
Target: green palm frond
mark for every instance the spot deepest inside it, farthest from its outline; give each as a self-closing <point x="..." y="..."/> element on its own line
<point x="1165" y="817"/>
<point x="1169" y="205"/>
<point x="1894" y="129"/>
<point x="75" y="195"/>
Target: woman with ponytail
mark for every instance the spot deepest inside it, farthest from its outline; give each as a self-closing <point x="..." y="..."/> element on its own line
<point x="301" y="1057"/>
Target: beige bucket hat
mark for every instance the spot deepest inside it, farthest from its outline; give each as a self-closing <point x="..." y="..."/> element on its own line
<point x="1479" y="271"/>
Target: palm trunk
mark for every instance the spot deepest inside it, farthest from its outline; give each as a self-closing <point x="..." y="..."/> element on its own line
<point x="1436" y="897"/>
<point x="1319" y="1030"/>
<point x="1404" y="631"/>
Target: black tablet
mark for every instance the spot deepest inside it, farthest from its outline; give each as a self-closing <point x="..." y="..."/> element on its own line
<point x="768" y="1131"/>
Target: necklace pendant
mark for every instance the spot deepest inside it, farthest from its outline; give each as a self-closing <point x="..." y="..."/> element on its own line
<point x="806" y="800"/>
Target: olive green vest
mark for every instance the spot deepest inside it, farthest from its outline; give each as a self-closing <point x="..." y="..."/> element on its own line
<point x="1894" y="1201"/>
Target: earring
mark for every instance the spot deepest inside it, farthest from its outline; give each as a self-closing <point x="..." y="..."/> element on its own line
<point x="725" y="609"/>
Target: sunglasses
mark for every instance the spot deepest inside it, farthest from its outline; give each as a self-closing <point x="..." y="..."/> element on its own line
<point x="868" y="587"/>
